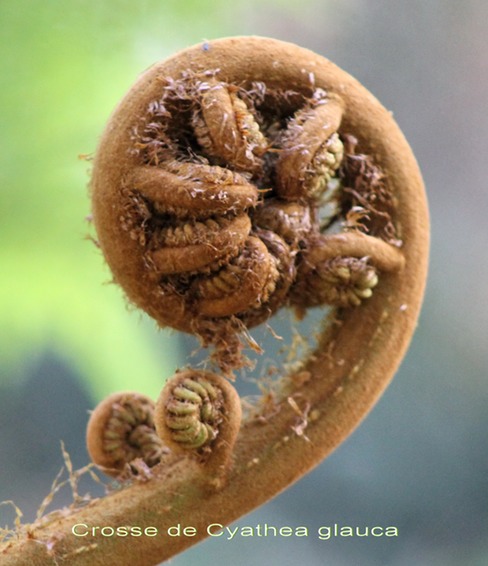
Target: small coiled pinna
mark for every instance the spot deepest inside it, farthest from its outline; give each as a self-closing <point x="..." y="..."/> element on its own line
<point x="199" y="413"/>
<point x="121" y="430"/>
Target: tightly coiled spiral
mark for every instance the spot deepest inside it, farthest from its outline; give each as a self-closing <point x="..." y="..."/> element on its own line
<point x="121" y="431"/>
<point x="230" y="188"/>
<point x="198" y="411"/>
<point x="193" y="413"/>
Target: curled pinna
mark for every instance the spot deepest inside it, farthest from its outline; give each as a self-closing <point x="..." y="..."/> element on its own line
<point x="121" y="433"/>
<point x="198" y="414"/>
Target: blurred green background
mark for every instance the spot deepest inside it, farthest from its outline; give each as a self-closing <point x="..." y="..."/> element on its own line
<point x="67" y="338"/>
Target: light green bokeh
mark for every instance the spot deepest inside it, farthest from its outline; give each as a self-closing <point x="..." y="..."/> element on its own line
<point x="63" y="67"/>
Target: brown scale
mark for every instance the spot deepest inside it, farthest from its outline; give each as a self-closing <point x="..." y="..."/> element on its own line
<point x="365" y="188"/>
<point x="135" y="216"/>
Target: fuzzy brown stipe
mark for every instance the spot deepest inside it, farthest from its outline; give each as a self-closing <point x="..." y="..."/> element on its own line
<point x="379" y="187"/>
